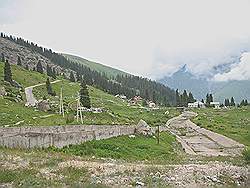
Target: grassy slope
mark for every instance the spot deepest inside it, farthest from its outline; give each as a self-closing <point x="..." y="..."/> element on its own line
<point x="116" y="110"/>
<point x="234" y="123"/>
<point x="131" y="149"/>
<point x="21" y="75"/>
<point x="96" y="66"/>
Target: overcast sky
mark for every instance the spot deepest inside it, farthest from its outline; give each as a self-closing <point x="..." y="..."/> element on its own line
<point x="149" y="38"/>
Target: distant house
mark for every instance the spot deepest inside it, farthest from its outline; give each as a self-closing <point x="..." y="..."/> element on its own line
<point x="215" y="104"/>
<point x="196" y="104"/>
<point x="151" y="104"/>
<point x="135" y="100"/>
<point x="121" y="96"/>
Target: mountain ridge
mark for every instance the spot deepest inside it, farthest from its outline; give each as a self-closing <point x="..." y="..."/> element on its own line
<point x="183" y="79"/>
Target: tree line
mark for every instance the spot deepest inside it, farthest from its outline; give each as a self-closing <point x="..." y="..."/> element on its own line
<point x="184" y="98"/>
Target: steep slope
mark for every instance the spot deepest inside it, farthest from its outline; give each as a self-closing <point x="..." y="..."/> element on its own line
<point x="29" y="57"/>
<point x="115" y="110"/>
<point x="128" y="85"/>
<point x="109" y="71"/>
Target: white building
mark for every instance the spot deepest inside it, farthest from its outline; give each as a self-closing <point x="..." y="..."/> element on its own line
<point x="196" y="104"/>
<point x="215" y="104"/>
<point x="151" y="104"/>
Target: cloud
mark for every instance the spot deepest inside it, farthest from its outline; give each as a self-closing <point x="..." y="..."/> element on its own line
<point x="149" y="38"/>
<point x="240" y="71"/>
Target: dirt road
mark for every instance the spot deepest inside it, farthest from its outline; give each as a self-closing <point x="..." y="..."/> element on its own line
<point x="30" y="99"/>
<point x="199" y="141"/>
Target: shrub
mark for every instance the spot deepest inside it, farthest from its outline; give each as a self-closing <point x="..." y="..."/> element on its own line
<point x="246" y="155"/>
<point x="199" y="124"/>
<point x="69" y="118"/>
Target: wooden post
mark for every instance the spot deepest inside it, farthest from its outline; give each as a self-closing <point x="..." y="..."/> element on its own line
<point x="61" y="109"/>
<point x="158" y="135"/>
<point x="79" y="110"/>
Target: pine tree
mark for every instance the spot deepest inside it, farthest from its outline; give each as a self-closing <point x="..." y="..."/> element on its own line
<point x="207" y="100"/>
<point x="202" y="100"/>
<point x="49" y="88"/>
<point x="19" y="62"/>
<point x="211" y="98"/>
<point x="72" y="77"/>
<point x="191" y="97"/>
<point x="177" y="96"/>
<point x="227" y="103"/>
<point x="2" y="58"/>
<point x="84" y="95"/>
<point x="39" y="67"/>
<point x="184" y="98"/>
<point x="54" y="73"/>
<point x="232" y="103"/>
<point x="246" y="102"/>
<point x="78" y="77"/>
<point x="7" y="72"/>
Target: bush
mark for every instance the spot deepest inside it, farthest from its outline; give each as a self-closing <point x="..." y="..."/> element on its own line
<point x="69" y="118"/>
<point x="198" y="124"/>
<point x="246" y="155"/>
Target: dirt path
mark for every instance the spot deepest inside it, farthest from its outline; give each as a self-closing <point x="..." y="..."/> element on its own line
<point x="31" y="100"/>
<point x="200" y="141"/>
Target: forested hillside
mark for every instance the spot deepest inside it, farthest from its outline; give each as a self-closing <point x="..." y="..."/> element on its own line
<point x="128" y="85"/>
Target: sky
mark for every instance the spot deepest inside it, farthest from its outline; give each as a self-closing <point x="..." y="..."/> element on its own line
<point x="152" y="38"/>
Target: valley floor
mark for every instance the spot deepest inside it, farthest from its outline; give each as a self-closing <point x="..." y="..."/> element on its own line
<point x="39" y="168"/>
<point x="121" y="162"/>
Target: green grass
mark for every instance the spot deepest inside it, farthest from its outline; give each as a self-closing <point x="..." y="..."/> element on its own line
<point x="116" y="111"/>
<point x="140" y="148"/>
<point x="37" y="168"/>
<point x="24" y="77"/>
<point x="233" y="122"/>
<point x="109" y="71"/>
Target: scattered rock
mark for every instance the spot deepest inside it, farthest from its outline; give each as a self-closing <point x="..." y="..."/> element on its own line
<point x="3" y="91"/>
<point x="138" y="183"/>
<point x="43" y="105"/>
<point x="144" y="128"/>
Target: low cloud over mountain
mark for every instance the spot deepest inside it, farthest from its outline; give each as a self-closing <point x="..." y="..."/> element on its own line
<point x="238" y="71"/>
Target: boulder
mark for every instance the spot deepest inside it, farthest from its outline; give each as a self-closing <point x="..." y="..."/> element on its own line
<point x="144" y="128"/>
<point x="43" y="105"/>
<point x="2" y="91"/>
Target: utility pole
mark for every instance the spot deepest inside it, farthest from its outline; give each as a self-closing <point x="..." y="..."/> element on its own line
<point x="61" y="109"/>
<point x="158" y="134"/>
<point x="79" y="110"/>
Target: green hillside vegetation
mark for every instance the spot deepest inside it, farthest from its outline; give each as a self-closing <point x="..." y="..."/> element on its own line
<point x="233" y="122"/>
<point x="109" y="71"/>
<point x="131" y="149"/>
<point x="116" y="110"/>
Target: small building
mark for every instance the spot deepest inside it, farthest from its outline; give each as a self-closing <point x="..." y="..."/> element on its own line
<point x="196" y="104"/>
<point x="215" y="104"/>
<point x="121" y="96"/>
<point x="151" y="104"/>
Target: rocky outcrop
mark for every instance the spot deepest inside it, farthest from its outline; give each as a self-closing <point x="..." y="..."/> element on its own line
<point x="43" y="105"/>
<point x="2" y="91"/>
<point x="144" y="129"/>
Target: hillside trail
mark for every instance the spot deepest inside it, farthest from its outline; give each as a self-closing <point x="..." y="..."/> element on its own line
<point x="30" y="99"/>
<point x="200" y="141"/>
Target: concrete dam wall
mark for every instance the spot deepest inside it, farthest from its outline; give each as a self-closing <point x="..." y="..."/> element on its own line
<point x="59" y="136"/>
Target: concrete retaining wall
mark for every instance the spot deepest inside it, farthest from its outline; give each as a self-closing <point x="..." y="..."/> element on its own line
<point x="59" y="136"/>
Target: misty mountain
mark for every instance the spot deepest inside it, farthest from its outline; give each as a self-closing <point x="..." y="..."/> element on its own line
<point x="200" y="86"/>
